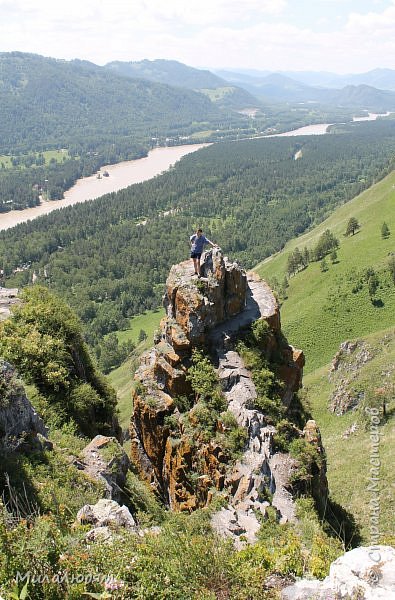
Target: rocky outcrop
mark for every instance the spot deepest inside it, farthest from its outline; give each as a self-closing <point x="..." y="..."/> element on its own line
<point x="105" y="460"/>
<point x="214" y="311"/>
<point x="8" y="298"/>
<point x="20" y="426"/>
<point x="345" y="368"/>
<point x="367" y="573"/>
<point x="193" y="308"/>
<point x="106" y="517"/>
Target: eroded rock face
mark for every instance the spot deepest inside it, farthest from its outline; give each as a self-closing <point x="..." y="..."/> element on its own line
<point x="105" y="460"/>
<point x="195" y="307"/>
<point x="213" y="311"/>
<point x="20" y="425"/>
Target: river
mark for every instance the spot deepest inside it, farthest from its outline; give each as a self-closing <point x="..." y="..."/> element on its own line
<point x="121" y="175"/>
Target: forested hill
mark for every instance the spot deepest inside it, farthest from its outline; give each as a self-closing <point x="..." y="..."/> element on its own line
<point x="250" y="197"/>
<point x="220" y="91"/>
<point x="49" y="103"/>
<point x="168" y="71"/>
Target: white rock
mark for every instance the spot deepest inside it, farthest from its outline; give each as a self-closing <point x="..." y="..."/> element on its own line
<point x="369" y="568"/>
<point x="106" y="513"/>
<point x="366" y="573"/>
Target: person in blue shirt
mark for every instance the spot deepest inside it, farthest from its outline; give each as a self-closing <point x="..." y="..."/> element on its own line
<point x="198" y="241"/>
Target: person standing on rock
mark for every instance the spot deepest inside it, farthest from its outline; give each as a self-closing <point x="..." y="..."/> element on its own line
<point x="198" y="241"/>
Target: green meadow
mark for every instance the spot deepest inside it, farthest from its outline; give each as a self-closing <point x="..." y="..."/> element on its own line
<point x="122" y="377"/>
<point x="54" y="155"/>
<point x="323" y="308"/>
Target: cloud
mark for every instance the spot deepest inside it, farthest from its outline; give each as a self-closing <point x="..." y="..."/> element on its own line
<point x="213" y="33"/>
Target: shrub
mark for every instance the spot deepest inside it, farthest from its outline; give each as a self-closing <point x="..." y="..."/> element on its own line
<point x="261" y="332"/>
<point x="202" y="376"/>
<point x="44" y="340"/>
<point x="273" y="409"/>
<point x="307" y="456"/>
<point x="183" y="403"/>
<point x="285" y="433"/>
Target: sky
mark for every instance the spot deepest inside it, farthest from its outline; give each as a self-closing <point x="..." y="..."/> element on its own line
<point x="342" y="36"/>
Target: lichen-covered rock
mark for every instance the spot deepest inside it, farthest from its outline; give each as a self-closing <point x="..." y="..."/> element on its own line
<point x="149" y="433"/>
<point x="105" y="460"/>
<point x="213" y="310"/>
<point x="20" y="425"/>
<point x="220" y="294"/>
<point x="184" y="493"/>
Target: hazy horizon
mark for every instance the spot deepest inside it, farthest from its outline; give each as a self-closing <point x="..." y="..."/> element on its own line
<point x="338" y="36"/>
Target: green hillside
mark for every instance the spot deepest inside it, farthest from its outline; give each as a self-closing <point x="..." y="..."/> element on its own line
<point x="325" y="308"/>
<point x="348" y="451"/>
<point x="54" y="103"/>
<point x="95" y="115"/>
<point x="175" y="73"/>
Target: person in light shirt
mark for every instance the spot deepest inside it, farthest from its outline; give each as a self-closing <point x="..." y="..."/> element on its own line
<point x="197" y="242"/>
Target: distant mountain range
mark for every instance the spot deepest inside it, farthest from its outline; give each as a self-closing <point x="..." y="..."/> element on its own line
<point x="354" y="93"/>
<point x="46" y="103"/>
<point x="249" y="88"/>
<point x="383" y="79"/>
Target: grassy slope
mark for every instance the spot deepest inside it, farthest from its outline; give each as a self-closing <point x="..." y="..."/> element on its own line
<point x="122" y="377"/>
<point x="348" y="458"/>
<point x="321" y="311"/>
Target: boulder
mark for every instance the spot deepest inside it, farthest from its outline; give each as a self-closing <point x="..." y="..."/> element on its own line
<point x="239" y="525"/>
<point x="107" y="517"/>
<point x="367" y="573"/>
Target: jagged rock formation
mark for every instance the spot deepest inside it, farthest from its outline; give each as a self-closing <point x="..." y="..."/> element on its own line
<point x="105" y="460"/>
<point x="366" y="572"/>
<point x="20" y="425"/>
<point x="214" y="311"/>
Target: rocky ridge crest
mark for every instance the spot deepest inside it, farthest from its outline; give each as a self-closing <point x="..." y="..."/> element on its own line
<point x="214" y="311"/>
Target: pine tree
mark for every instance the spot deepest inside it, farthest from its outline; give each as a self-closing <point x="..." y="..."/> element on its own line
<point x="385" y="231"/>
<point x="323" y="266"/>
<point x="291" y="268"/>
<point x="142" y="335"/>
<point x="306" y="256"/>
<point x="352" y="226"/>
<point x="373" y="284"/>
